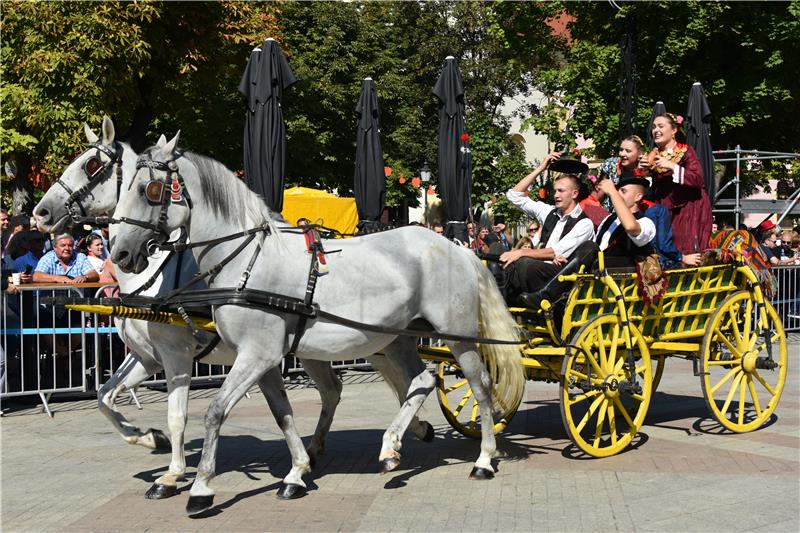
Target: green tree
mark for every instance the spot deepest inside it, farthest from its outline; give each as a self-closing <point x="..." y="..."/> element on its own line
<point x="147" y="64"/>
<point x="743" y="53"/>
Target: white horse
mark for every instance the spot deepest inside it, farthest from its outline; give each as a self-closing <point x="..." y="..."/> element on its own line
<point x="89" y="187"/>
<point x="398" y="279"/>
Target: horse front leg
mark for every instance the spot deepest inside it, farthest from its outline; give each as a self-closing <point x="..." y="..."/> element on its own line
<point x="177" y="370"/>
<point x="330" y="393"/>
<point x="271" y="385"/>
<point x="251" y="364"/>
<point x="479" y="380"/>
<point x="402" y="356"/>
<point x="133" y="371"/>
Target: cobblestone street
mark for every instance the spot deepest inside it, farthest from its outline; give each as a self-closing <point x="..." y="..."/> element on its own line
<point x="73" y="473"/>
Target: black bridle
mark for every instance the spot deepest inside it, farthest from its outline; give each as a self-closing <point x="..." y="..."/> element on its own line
<point x="96" y="171"/>
<point x="159" y="193"/>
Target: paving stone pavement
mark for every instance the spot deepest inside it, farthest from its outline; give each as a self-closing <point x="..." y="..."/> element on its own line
<point x="73" y="473"/>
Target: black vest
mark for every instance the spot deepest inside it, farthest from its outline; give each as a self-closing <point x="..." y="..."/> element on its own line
<point x="550" y="223"/>
<point x="619" y="244"/>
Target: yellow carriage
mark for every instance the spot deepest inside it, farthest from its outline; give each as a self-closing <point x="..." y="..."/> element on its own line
<point x="608" y="351"/>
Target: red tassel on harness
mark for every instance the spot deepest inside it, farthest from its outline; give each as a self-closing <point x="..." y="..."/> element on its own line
<point x="312" y="244"/>
<point x="176" y="190"/>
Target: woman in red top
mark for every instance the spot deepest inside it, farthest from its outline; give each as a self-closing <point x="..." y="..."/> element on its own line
<point x="678" y="185"/>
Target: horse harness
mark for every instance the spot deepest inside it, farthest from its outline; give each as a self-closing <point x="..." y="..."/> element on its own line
<point x="95" y="171"/>
<point x="163" y="193"/>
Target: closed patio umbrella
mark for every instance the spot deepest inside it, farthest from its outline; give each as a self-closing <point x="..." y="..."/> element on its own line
<point x="698" y="134"/>
<point x="658" y="109"/>
<point x="455" y="161"/>
<point x="369" y="182"/>
<point x="266" y="76"/>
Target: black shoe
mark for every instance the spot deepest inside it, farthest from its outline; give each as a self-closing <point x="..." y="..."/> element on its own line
<point x="531" y="300"/>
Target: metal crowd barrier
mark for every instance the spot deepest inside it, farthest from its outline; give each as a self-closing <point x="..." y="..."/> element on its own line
<point x="47" y="350"/>
<point x="787" y="298"/>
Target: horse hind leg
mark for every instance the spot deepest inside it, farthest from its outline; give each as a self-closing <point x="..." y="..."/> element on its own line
<point x="330" y="393"/>
<point x="479" y="380"/>
<point x="132" y="372"/>
<point x="402" y="355"/>
<point x="396" y="380"/>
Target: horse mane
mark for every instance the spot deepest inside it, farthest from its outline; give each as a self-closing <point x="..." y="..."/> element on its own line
<point x="228" y="196"/>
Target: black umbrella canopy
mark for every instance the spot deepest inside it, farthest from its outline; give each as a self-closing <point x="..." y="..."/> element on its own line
<point x="369" y="183"/>
<point x="658" y="109"/>
<point x="698" y="134"/>
<point x="455" y="161"/>
<point x="266" y="76"/>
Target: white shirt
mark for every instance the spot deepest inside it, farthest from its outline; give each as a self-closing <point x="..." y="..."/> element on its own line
<point x="647" y="233"/>
<point x="581" y="232"/>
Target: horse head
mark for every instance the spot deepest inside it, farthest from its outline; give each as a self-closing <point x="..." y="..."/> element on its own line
<point x="155" y="205"/>
<point x="90" y="185"/>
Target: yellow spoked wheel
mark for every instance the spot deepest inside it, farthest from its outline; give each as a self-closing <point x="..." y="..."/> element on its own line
<point x="459" y="405"/>
<point x="744" y="362"/>
<point x="602" y="406"/>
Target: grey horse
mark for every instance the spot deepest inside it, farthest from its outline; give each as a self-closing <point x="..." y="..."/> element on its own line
<point x="396" y="279"/>
<point x="156" y="346"/>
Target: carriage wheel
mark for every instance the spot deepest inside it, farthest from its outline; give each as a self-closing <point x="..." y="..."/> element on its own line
<point x="601" y="407"/>
<point x="741" y="382"/>
<point x="459" y="405"/>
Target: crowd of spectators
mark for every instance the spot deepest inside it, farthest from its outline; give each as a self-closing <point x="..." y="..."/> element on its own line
<point x="66" y="258"/>
<point x="30" y="256"/>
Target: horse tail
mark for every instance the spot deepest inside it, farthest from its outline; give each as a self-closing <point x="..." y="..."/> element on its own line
<point x="503" y="360"/>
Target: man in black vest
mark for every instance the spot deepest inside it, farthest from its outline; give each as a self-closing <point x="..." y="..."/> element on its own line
<point x="564" y="228"/>
<point x="622" y="236"/>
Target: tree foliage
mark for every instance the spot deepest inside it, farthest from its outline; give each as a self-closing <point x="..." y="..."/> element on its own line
<point x="157" y="67"/>
<point x="743" y="53"/>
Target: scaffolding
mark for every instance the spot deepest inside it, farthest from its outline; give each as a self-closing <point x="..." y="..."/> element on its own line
<point x="737" y="205"/>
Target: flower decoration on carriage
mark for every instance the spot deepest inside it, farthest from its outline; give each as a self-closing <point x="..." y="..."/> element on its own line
<point x="465" y="137"/>
<point x="416" y="182"/>
<point x="402" y="179"/>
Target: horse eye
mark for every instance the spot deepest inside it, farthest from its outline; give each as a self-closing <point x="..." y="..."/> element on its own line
<point x="93" y="166"/>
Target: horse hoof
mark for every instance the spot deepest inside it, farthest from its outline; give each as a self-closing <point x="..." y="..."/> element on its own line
<point x="479" y="473"/>
<point x="160" y="439"/>
<point x="389" y="464"/>
<point x="158" y="491"/>
<point x="198" y="504"/>
<point x="291" y="491"/>
<point x="429" y="434"/>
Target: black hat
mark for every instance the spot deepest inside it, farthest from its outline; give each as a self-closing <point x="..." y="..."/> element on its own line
<point x="633" y="180"/>
<point x="568" y="164"/>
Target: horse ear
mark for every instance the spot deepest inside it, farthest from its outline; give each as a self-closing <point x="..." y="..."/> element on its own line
<point x="90" y="135"/>
<point x="161" y="141"/>
<point x="170" y="146"/>
<point x="108" y="131"/>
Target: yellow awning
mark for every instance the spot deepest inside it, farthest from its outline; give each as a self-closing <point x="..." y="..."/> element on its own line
<point x="320" y="207"/>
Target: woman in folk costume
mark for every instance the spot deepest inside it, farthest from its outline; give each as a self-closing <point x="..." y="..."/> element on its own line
<point x="627" y="163"/>
<point x="632" y="163"/>
<point x="679" y="185"/>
